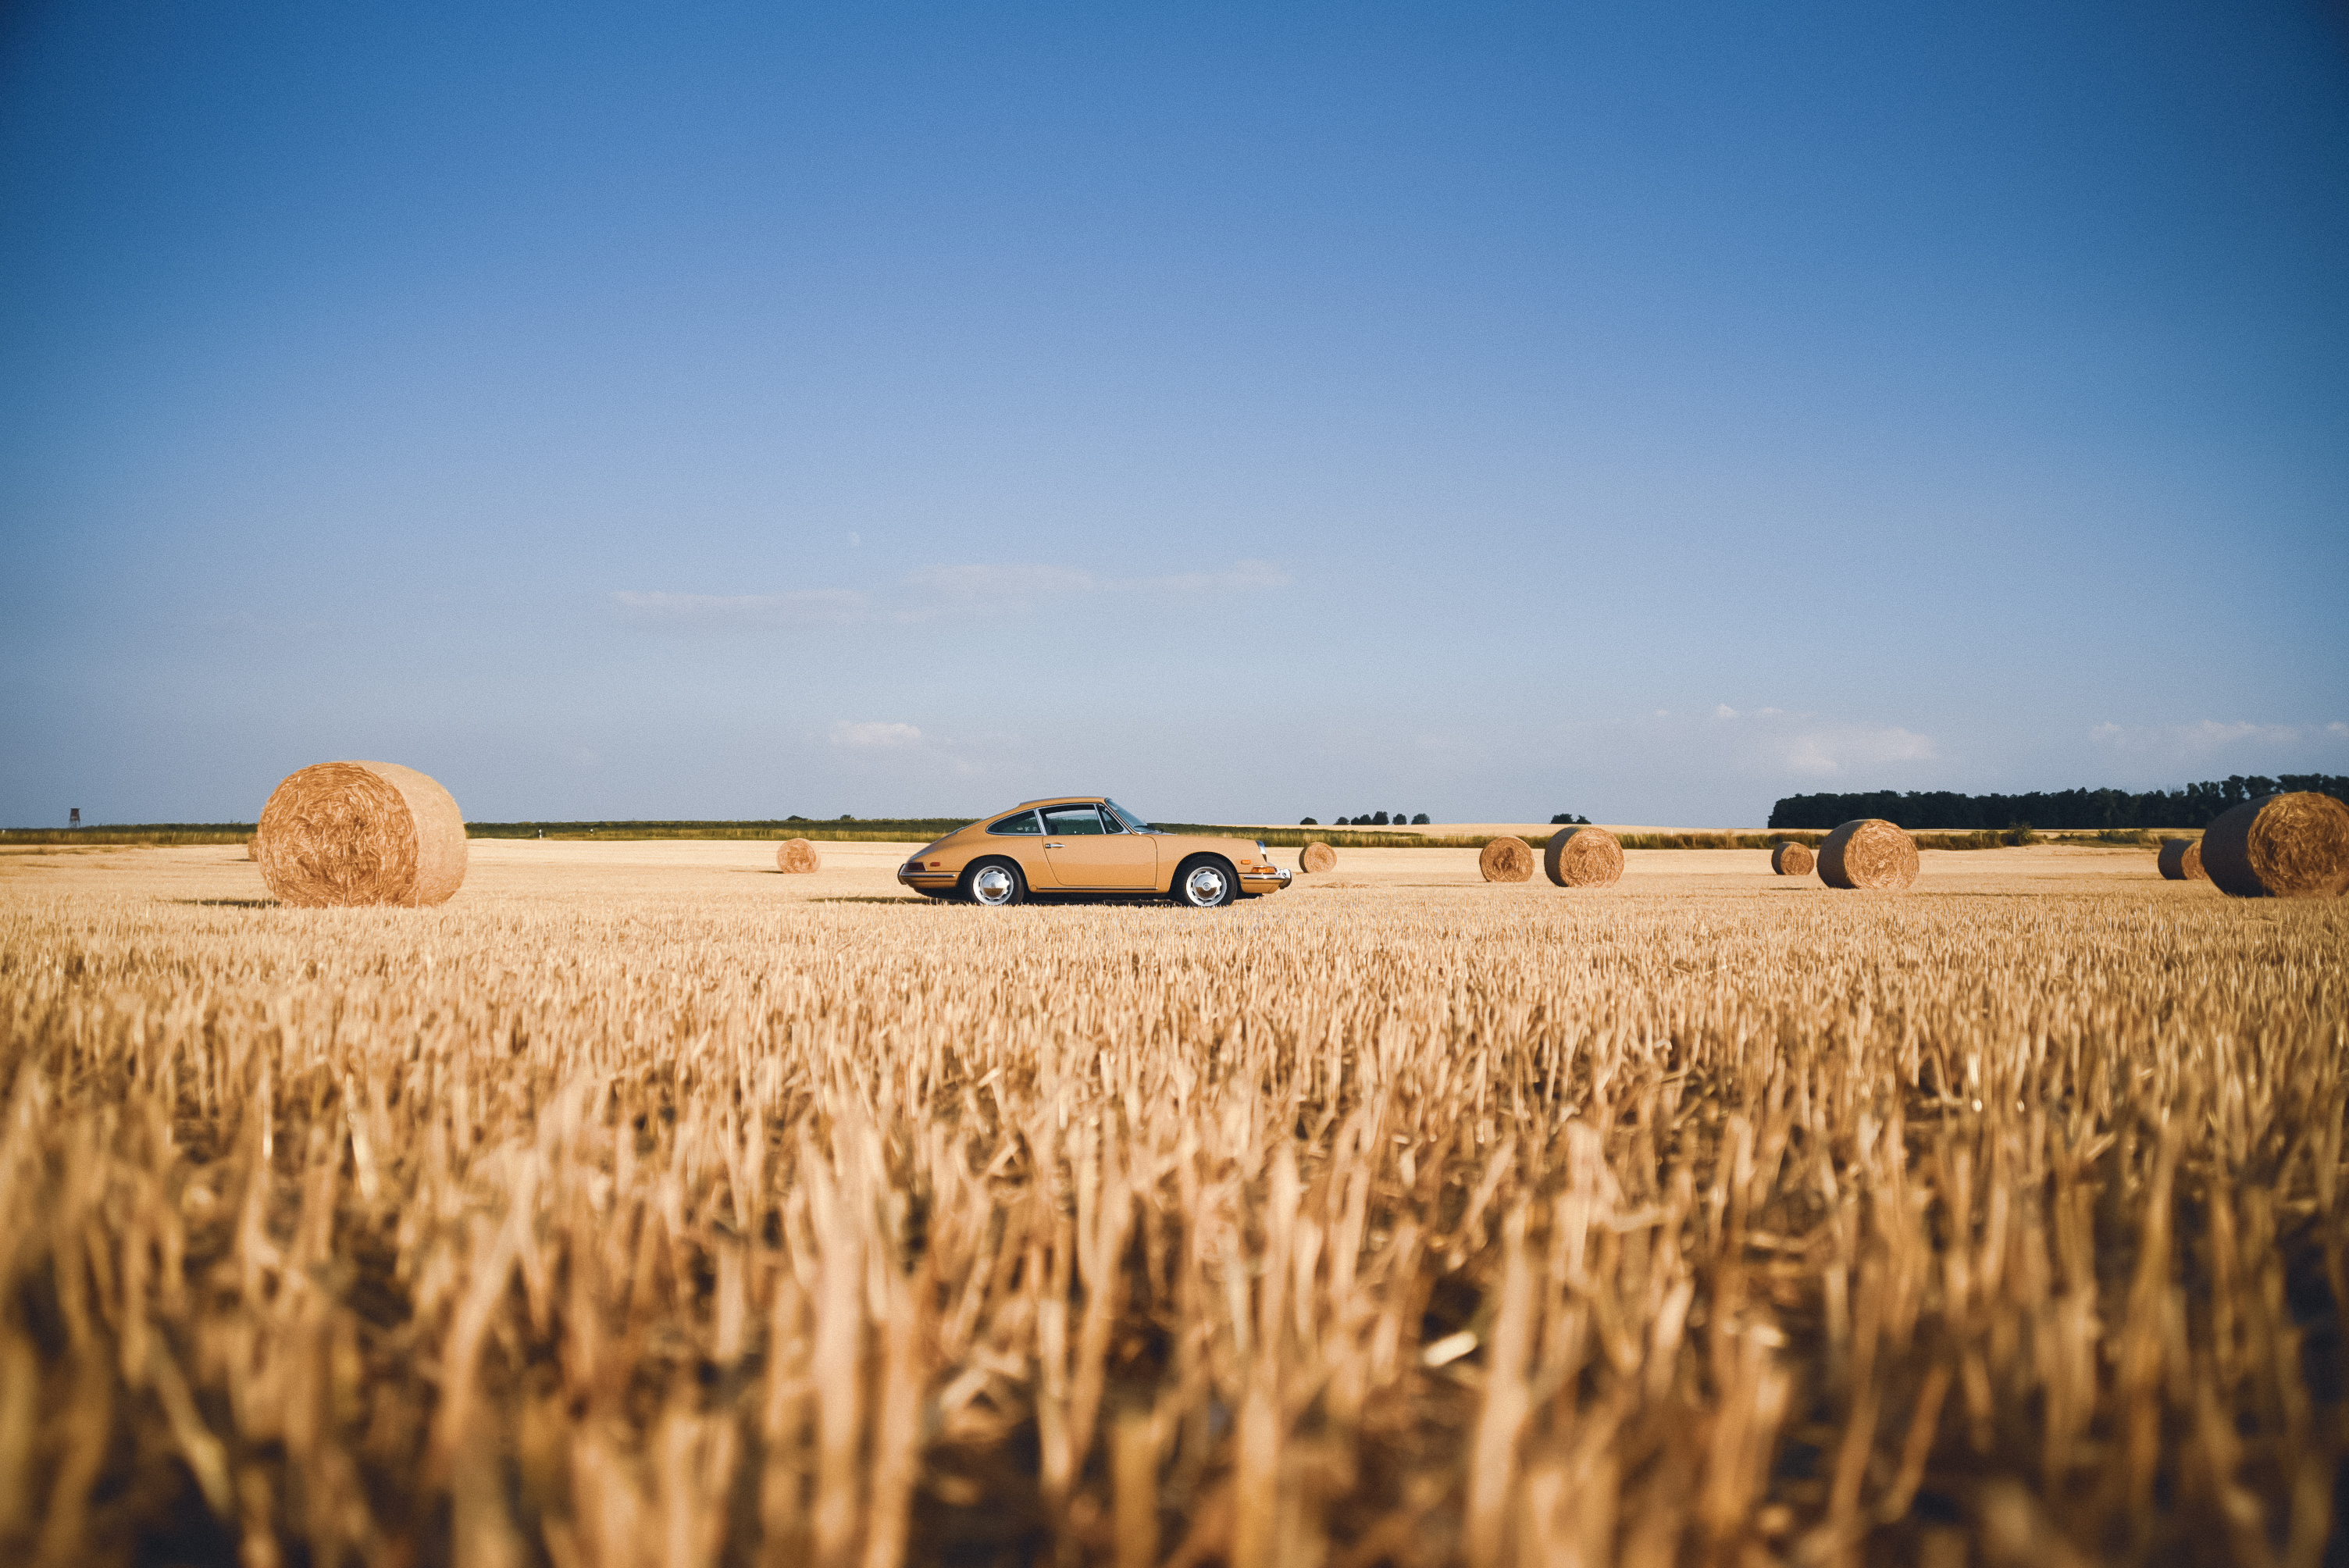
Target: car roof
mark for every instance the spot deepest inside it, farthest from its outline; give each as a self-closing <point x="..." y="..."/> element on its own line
<point x="1059" y="800"/>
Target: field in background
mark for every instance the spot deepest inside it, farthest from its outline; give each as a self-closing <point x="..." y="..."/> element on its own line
<point x="643" y="1204"/>
<point x="1455" y="835"/>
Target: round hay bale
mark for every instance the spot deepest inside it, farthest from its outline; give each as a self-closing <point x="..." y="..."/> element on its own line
<point x="1583" y="857"/>
<point x="1868" y="853"/>
<point x="797" y="855"/>
<point x="1507" y="860"/>
<point x="253" y="848"/>
<point x="1792" y="859"/>
<point x="360" y="833"/>
<point x="2281" y="846"/>
<point x="2181" y="860"/>
<point x="1317" y="856"/>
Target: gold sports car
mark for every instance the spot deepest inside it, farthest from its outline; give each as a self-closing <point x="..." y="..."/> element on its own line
<point x="1088" y="845"/>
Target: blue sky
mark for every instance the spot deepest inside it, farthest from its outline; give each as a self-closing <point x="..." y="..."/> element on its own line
<point x="1250" y="411"/>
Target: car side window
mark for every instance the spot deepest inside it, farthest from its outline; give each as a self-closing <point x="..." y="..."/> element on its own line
<point x="1025" y="823"/>
<point x="1072" y="821"/>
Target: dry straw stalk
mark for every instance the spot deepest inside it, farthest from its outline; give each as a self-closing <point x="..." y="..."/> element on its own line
<point x="1317" y="856"/>
<point x="361" y="833"/>
<point x="797" y="855"/>
<point x="1792" y="859"/>
<point x="600" y="1222"/>
<point x="1583" y="857"/>
<point x="2181" y="860"/>
<point x="1507" y="860"/>
<point x="1870" y="852"/>
<point x="2281" y="846"/>
<point x="1551" y="1230"/>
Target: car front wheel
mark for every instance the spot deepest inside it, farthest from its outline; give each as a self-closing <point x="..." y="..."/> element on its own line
<point x="1205" y="884"/>
<point x="994" y="884"/>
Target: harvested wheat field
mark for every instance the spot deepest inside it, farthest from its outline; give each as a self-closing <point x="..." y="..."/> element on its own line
<point x="644" y="1205"/>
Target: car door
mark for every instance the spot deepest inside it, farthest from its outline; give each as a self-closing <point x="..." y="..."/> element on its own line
<point x="1086" y="847"/>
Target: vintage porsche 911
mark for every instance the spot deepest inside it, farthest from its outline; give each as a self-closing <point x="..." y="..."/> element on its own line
<point x="1085" y="844"/>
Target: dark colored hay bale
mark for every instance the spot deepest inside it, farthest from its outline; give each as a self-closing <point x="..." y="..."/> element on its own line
<point x="2181" y="860"/>
<point x="2281" y="846"/>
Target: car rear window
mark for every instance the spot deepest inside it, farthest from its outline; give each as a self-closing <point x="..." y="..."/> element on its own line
<point x="1072" y="821"/>
<point x="1024" y="822"/>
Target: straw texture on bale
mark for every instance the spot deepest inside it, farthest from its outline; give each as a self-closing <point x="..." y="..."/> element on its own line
<point x="253" y="848"/>
<point x="2281" y="846"/>
<point x="360" y="833"/>
<point x="797" y="855"/>
<point x="1317" y="856"/>
<point x="1791" y="860"/>
<point x="2181" y="860"/>
<point x="1507" y="860"/>
<point x="1583" y="857"/>
<point x="1868" y="853"/>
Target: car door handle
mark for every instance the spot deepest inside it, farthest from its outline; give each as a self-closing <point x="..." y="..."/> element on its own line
<point x="1050" y="845"/>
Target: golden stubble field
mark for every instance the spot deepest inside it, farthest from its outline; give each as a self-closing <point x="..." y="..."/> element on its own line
<point x="643" y="1206"/>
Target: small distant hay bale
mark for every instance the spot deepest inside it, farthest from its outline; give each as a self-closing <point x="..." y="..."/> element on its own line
<point x="343" y="833"/>
<point x="1868" y="853"/>
<point x="253" y="848"/>
<point x="2281" y="846"/>
<point x="1507" y="860"/>
<point x="1317" y="856"/>
<point x="1789" y="859"/>
<point x="1583" y="857"/>
<point x="797" y="855"/>
<point x="2181" y="860"/>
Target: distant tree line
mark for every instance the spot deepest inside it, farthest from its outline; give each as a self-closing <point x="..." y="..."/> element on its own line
<point x="2196" y="806"/>
<point x="1368" y="820"/>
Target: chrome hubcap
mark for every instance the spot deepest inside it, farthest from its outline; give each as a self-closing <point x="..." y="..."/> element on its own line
<point x="1204" y="886"/>
<point x="993" y="884"/>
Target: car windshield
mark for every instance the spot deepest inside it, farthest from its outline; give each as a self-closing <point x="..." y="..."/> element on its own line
<point x="1129" y="818"/>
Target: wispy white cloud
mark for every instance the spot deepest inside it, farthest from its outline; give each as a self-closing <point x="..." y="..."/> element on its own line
<point x="1020" y="585"/>
<point x="932" y="594"/>
<point x="892" y="748"/>
<point x="875" y="735"/>
<point x="1825" y="750"/>
<point x="1773" y="740"/>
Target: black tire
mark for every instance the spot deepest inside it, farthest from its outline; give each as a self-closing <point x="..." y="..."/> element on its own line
<point x="980" y="887"/>
<point x="1205" y="882"/>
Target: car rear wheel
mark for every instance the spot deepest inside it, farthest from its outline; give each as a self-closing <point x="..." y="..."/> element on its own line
<point x="994" y="884"/>
<point x="1207" y="882"/>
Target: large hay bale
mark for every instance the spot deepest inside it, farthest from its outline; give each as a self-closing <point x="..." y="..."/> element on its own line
<point x="1317" y="856"/>
<point x="1789" y="859"/>
<point x="2281" y="846"/>
<point x="1507" y="860"/>
<point x="797" y="855"/>
<point x="2181" y="860"/>
<point x="1583" y="857"/>
<point x="1868" y="853"/>
<point x="360" y="833"/>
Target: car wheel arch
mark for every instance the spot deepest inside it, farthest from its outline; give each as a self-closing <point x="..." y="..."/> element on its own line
<point x="972" y="890"/>
<point x="1192" y="864"/>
